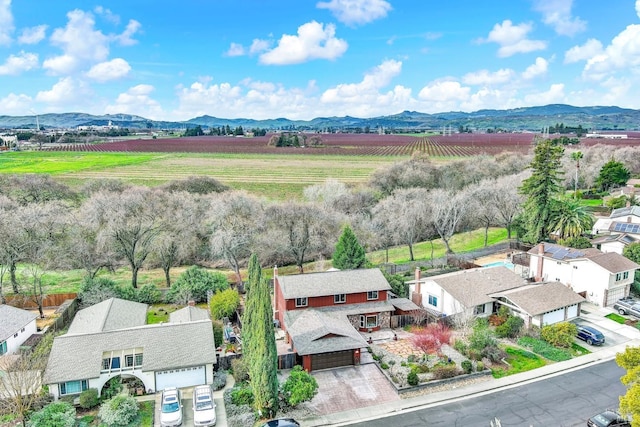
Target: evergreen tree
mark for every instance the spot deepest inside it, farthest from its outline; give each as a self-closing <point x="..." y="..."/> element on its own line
<point x="541" y="189"/>
<point x="349" y="253"/>
<point x="612" y="174"/>
<point x="250" y="308"/>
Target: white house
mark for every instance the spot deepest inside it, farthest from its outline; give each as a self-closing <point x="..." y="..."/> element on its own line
<point x="111" y="339"/>
<point x="615" y="223"/>
<point x="601" y="278"/>
<point x="480" y="291"/>
<point x="16" y="325"/>
<point x="615" y="242"/>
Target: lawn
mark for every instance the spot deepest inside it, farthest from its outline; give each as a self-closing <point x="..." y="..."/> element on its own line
<point x="616" y="318"/>
<point x="519" y="361"/>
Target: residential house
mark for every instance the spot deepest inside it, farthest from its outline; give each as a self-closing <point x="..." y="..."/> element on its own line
<point x="602" y="278"/>
<point x="615" y="242"/>
<point x="112" y="339"/>
<point x="324" y="314"/>
<point x="16" y="325"/>
<point x="621" y="220"/>
<point x="479" y="292"/>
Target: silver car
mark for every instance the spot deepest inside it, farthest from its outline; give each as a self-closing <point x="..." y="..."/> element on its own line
<point x="204" y="408"/>
<point x="171" y="408"/>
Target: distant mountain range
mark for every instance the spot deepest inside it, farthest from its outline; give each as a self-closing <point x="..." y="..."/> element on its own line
<point x="518" y="119"/>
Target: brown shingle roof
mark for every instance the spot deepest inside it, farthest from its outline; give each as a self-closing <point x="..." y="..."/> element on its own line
<point x="614" y="262"/>
<point x="542" y="297"/>
<point x="332" y="283"/>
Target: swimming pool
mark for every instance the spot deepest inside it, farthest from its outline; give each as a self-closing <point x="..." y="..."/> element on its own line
<point x="507" y="264"/>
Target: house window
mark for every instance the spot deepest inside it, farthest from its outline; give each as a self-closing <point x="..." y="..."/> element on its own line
<point x="115" y="363"/>
<point x="128" y="361"/>
<point x="22" y="330"/>
<point x="138" y="359"/>
<point x="73" y="387"/>
<point x="3" y="347"/>
<point x="368" y="321"/>
<point x="559" y="263"/>
<point x="433" y="300"/>
<point x="622" y="276"/>
<point x="15" y="335"/>
<point x="575" y="267"/>
<point x="371" y="295"/>
<point x="301" y="302"/>
<point x="105" y="364"/>
<point x="340" y="298"/>
<point x="480" y="309"/>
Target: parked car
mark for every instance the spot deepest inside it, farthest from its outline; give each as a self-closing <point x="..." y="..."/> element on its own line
<point x="204" y="408"/>
<point x="608" y="418"/>
<point x="591" y="335"/>
<point x="282" y="422"/>
<point x="171" y="407"/>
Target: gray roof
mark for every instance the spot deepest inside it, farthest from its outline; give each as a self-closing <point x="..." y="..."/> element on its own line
<point x="12" y="319"/>
<point x="404" y="304"/>
<point x="165" y="346"/>
<point x="188" y="314"/>
<point x="614" y="262"/>
<point x="313" y="331"/>
<point x="109" y="315"/>
<point x="472" y="287"/>
<point x="631" y="210"/>
<point x="541" y="298"/>
<point x="332" y="283"/>
<point x="623" y="238"/>
<point x="610" y="261"/>
<point x="351" y="309"/>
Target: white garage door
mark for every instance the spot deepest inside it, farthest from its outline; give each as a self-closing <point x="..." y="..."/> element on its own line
<point x="185" y="377"/>
<point x="614" y="295"/>
<point x="572" y="311"/>
<point x="552" y="317"/>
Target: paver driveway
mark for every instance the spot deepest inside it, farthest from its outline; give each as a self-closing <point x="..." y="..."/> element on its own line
<point x="352" y="387"/>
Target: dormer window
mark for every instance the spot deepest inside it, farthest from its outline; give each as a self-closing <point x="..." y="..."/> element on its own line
<point x="372" y="295"/>
<point x="301" y="302"/>
<point x="340" y="298"/>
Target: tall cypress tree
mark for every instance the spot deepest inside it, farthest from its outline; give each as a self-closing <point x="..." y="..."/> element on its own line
<point x="349" y="253"/>
<point x="250" y="308"/>
<point x="542" y="189"/>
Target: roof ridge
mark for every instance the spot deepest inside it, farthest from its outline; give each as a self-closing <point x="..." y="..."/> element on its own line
<point x="104" y="319"/>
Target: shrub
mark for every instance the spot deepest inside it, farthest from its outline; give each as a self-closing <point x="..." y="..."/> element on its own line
<point x="479" y="366"/>
<point x="119" y="411"/>
<point x="482" y="337"/>
<point x="218" y="334"/>
<point x="545" y="349"/>
<point x="89" y="398"/>
<point x="444" y="371"/>
<point x="474" y="354"/>
<point x="111" y="388"/>
<point x="128" y="292"/>
<point x="412" y="378"/>
<point x="299" y="387"/>
<point x="559" y="334"/>
<point x="94" y="291"/>
<point x="384" y="366"/>
<point x="242" y="396"/>
<point x="467" y="366"/>
<point x="149" y="294"/>
<point x="460" y="346"/>
<point x="58" y="414"/>
<point x="240" y="370"/>
<point x="510" y="328"/>
<point x="219" y="380"/>
<point x="194" y="283"/>
<point x="493" y="353"/>
<point x="224" y="303"/>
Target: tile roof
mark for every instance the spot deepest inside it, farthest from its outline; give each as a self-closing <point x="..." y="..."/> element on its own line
<point x="332" y="282"/>
<point x="472" y="287"/>
<point x="189" y="314"/>
<point x="313" y="331"/>
<point x="541" y="298"/>
<point x="109" y="315"/>
<point x="165" y="346"/>
<point x="12" y="319"/>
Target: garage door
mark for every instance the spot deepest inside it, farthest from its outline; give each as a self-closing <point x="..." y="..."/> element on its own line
<point x="331" y="360"/>
<point x="552" y="317"/>
<point x="572" y="311"/>
<point x="614" y="295"/>
<point x="185" y="377"/>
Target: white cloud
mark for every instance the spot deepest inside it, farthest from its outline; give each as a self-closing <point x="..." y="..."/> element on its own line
<point x="557" y="14"/>
<point x="376" y="79"/>
<point x="33" y="35"/>
<point x="591" y="48"/>
<point x="539" y="68"/>
<point x="623" y="53"/>
<point x="67" y="91"/>
<point x="107" y="14"/>
<point x="137" y="100"/>
<point x="126" y="37"/>
<point x="258" y="46"/>
<point x="15" y="104"/>
<point x="6" y="22"/>
<point x="16" y="64"/>
<point x="444" y="91"/>
<point x="554" y="95"/>
<point x="513" y="39"/>
<point x="314" y="41"/>
<point x="638" y="8"/>
<point x="80" y="43"/>
<point x="485" y="77"/>
<point x="235" y="49"/>
<point x="357" y="12"/>
<point x="109" y="70"/>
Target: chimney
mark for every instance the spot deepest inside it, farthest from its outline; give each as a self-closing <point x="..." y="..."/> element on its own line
<point x="416" y="295"/>
<point x="275" y="272"/>
<point x="538" y="276"/>
<point x="628" y="218"/>
<point x="191" y="303"/>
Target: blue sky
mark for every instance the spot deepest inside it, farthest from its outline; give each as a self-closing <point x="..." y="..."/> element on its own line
<point x="302" y="59"/>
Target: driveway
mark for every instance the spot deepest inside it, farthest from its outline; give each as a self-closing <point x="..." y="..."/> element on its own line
<point x="343" y="389"/>
<point x="614" y="332"/>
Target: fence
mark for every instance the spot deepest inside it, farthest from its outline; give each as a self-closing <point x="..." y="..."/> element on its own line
<point x="66" y="311"/>
<point x="26" y="301"/>
<point x="286" y="361"/>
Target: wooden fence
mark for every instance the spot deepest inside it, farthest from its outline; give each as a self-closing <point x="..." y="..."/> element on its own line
<point x="25" y="301"/>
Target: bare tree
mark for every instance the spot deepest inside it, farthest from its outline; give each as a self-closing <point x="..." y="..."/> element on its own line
<point x="482" y="206"/>
<point x="404" y="216"/>
<point x="235" y="219"/>
<point x="507" y="199"/>
<point x="417" y="172"/>
<point x="447" y="210"/>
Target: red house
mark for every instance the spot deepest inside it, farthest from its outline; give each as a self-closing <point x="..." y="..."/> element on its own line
<point x="324" y="313"/>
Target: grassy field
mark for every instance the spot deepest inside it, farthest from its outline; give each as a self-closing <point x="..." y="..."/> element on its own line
<point x="270" y="175"/>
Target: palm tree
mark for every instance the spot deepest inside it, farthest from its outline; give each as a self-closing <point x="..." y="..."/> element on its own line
<point x="570" y="219"/>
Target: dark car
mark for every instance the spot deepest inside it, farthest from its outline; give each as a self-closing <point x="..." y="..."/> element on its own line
<point x="282" y="422"/>
<point x="591" y="335"/>
<point x="608" y="418"/>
